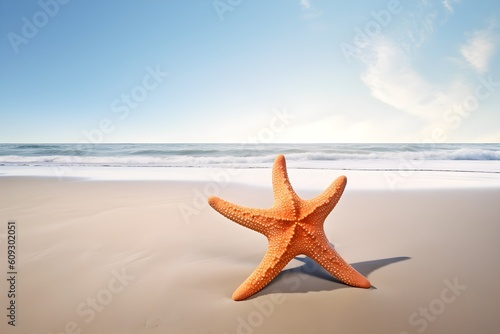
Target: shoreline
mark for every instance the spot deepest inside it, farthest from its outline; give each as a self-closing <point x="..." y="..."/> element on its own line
<point x="306" y="178"/>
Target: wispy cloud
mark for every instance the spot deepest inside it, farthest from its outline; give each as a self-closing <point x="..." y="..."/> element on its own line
<point x="422" y="29"/>
<point x="448" y="4"/>
<point x="309" y="12"/>
<point x="392" y="80"/>
<point x="306" y="4"/>
<point x="390" y="74"/>
<point x="479" y="49"/>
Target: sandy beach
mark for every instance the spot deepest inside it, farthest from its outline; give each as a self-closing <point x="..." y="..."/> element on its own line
<point x="150" y="256"/>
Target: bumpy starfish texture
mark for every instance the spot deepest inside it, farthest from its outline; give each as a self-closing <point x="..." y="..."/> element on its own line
<point x="293" y="226"/>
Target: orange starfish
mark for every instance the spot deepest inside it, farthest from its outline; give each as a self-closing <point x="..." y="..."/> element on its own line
<point x="293" y="226"/>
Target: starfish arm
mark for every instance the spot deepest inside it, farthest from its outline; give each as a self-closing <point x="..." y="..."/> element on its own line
<point x="255" y="219"/>
<point x="329" y="259"/>
<point x="284" y="195"/>
<point x="277" y="256"/>
<point x="323" y="204"/>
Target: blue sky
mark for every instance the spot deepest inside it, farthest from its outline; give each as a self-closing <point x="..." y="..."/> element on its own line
<point x="241" y="70"/>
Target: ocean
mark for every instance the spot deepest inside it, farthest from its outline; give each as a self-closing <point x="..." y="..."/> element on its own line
<point x="456" y="157"/>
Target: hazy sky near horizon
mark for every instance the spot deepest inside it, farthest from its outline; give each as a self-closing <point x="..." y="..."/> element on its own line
<point x="241" y="70"/>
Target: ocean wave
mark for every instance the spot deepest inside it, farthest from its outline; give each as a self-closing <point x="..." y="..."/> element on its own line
<point x="237" y="155"/>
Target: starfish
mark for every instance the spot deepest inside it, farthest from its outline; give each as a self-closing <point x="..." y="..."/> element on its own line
<point x="293" y="226"/>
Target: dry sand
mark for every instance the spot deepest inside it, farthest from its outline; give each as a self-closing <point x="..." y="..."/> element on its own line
<point x="152" y="257"/>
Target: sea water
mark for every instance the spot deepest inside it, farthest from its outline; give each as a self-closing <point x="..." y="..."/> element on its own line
<point x="351" y="156"/>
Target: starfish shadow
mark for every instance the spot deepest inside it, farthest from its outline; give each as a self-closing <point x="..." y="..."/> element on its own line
<point x="311" y="277"/>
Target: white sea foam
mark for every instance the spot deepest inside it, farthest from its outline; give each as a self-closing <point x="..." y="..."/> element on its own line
<point x="486" y="157"/>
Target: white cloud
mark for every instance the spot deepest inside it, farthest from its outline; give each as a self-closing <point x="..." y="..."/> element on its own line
<point x="309" y="12"/>
<point x="423" y="27"/>
<point x="448" y="5"/>
<point x="306" y="4"/>
<point x="392" y="80"/>
<point x="479" y="49"/>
